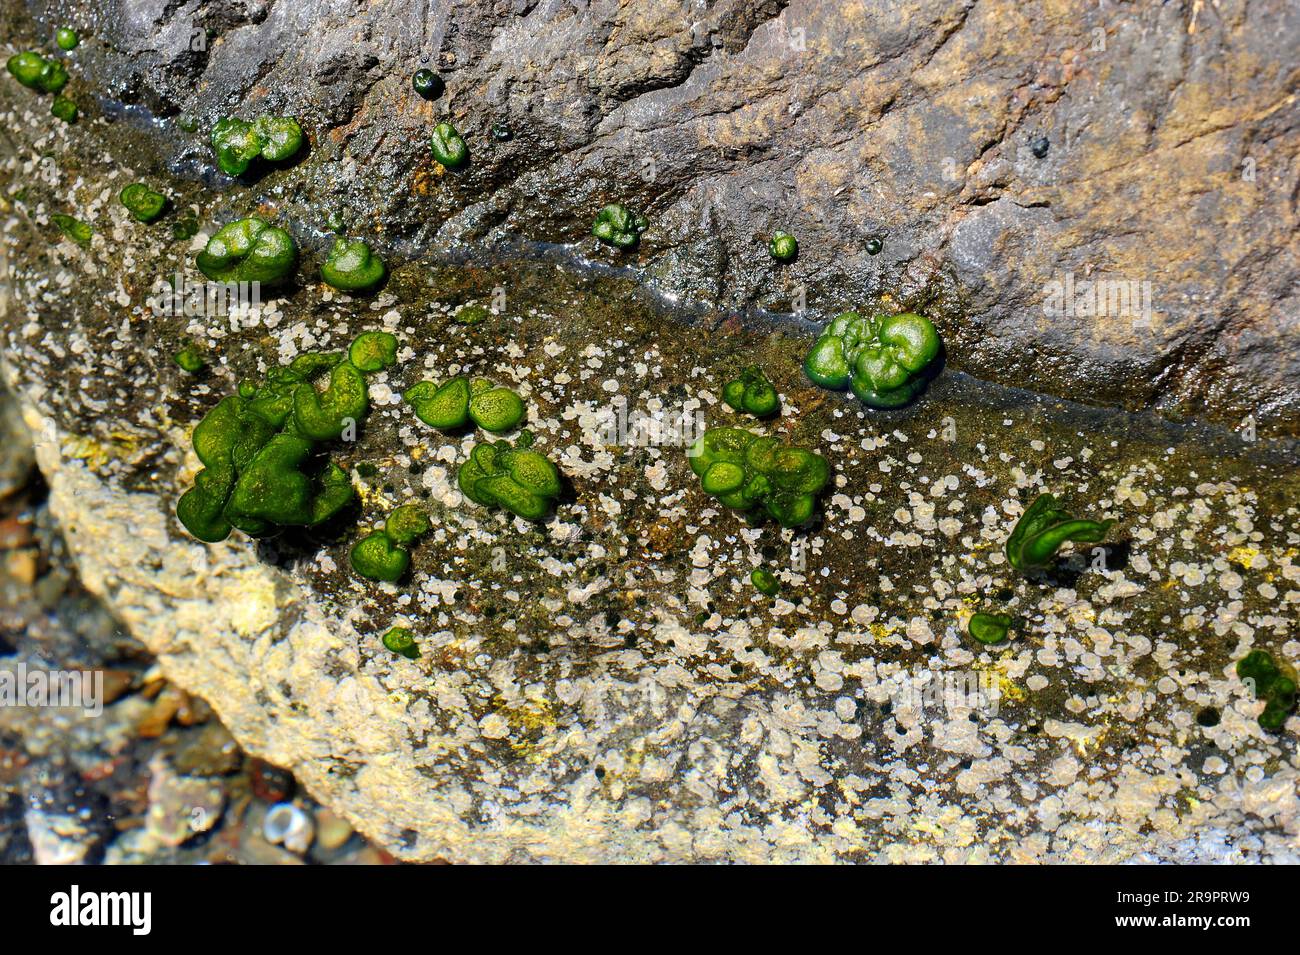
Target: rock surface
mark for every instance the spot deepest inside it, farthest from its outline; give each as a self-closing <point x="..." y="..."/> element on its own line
<point x="1169" y="137"/>
<point x="607" y="686"/>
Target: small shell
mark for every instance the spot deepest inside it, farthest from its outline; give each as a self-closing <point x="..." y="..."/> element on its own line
<point x="287" y="825"/>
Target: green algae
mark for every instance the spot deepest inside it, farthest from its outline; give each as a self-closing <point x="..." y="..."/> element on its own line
<point x="746" y="471"/>
<point x="1044" y="528"/>
<point x="518" y="479"/>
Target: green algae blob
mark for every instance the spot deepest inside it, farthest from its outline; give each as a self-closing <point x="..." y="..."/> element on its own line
<point x="264" y="451"/>
<point x="458" y="401"/>
<point x="765" y="581"/>
<point x="783" y="246"/>
<point x="64" y="109"/>
<point x="189" y="360"/>
<point x="619" y="226"/>
<point x="1273" y="682"/>
<point x="745" y="471"/>
<point x="373" y="351"/>
<point x="752" y="393"/>
<point x="448" y="147"/>
<point x="248" y="250"/>
<point x="402" y="642"/>
<point x="67" y="38"/>
<point x="886" y="360"/>
<point x="513" y="477"/>
<point x="352" y="267"/>
<point x="238" y="142"/>
<point x="1042" y="530"/>
<point x="36" y="72"/>
<point x="143" y="203"/>
<point x="76" y="230"/>
<point x="385" y="554"/>
<point x="989" y="628"/>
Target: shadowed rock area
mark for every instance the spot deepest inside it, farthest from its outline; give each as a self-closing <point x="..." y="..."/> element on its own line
<point x="607" y="685"/>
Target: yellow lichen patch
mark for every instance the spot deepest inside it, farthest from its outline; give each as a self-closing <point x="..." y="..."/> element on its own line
<point x="532" y="722"/>
<point x="1008" y="689"/>
<point x="1243" y="556"/>
<point x="96" y="454"/>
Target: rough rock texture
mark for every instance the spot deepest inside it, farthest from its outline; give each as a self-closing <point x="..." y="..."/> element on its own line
<point x="1172" y="134"/>
<point x="607" y="686"/>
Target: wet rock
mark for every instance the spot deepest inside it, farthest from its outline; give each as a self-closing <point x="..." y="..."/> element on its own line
<point x="180" y="807"/>
<point x="1146" y="144"/>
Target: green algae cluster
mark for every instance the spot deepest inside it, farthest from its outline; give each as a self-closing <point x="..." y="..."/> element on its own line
<point x="619" y="226"/>
<point x="143" y="203"/>
<point x="351" y="266"/>
<point x="263" y="451"/>
<point x="1044" y="528"/>
<point x="514" y="477"/>
<point x="238" y="142"/>
<point x="248" y="250"/>
<point x="448" y="147"/>
<point x="751" y="393"/>
<point x="64" y="109"/>
<point x="385" y="553"/>
<point x="1273" y="682"/>
<point x="36" y="72"/>
<point x="887" y="360"/>
<point x="459" y="400"/>
<point x="746" y="471"/>
<point x="189" y="360"/>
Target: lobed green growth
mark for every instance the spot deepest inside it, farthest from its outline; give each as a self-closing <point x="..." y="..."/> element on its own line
<point x="264" y="467"/>
<point x="64" y="109"/>
<point x="352" y="267"/>
<point x="765" y="581"/>
<point x="744" y="471"/>
<point x="76" y="230"/>
<point x="458" y="401"/>
<point x="373" y="351"/>
<point x="783" y="246"/>
<point x="402" y="642"/>
<point x="385" y="553"/>
<point x="248" y="250"/>
<point x="752" y="393"/>
<point x="143" y="203"/>
<point x="238" y="142"/>
<point x="514" y="477"/>
<point x="1273" y="682"/>
<point x="1043" y="529"/>
<point x="886" y="360"/>
<point x="619" y="226"/>
<point x="36" y="72"/>
<point x="989" y="628"/>
<point x="448" y="146"/>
